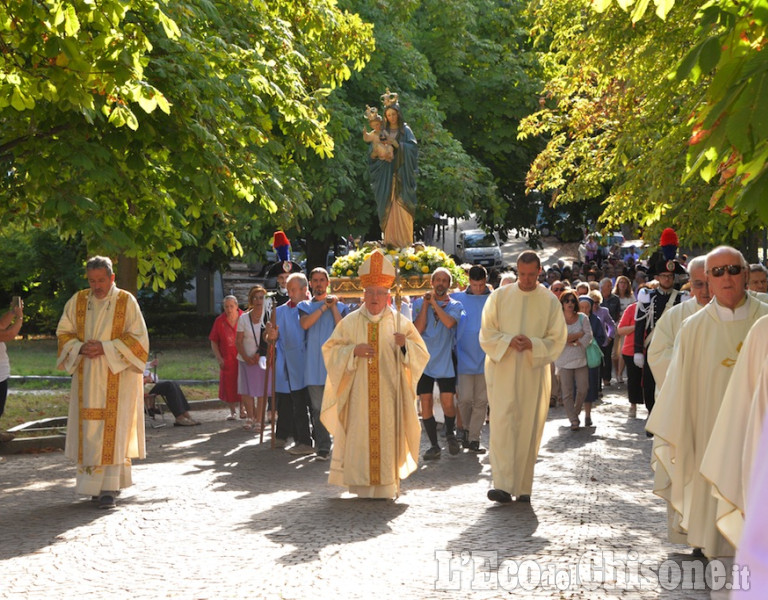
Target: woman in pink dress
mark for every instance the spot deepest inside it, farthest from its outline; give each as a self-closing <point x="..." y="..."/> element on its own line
<point x="222" y="338"/>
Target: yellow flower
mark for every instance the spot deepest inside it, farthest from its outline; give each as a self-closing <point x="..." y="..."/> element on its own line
<point x="425" y="269"/>
<point x="350" y="272"/>
<point x="408" y="266"/>
<point x="402" y="263"/>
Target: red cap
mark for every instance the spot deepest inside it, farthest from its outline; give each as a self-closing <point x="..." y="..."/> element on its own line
<point x="280" y="239"/>
<point x="668" y="237"/>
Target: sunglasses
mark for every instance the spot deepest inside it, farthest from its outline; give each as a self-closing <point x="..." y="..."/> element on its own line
<point x="720" y="271"/>
<point x="557" y="289"/>
<point x="571" y="302"/>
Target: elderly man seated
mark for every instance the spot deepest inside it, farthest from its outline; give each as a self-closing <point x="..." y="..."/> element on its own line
<point x="171" y="392"/>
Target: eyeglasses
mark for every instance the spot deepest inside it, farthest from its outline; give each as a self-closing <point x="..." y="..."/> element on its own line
<point x="720" y="271"/>
<point x="571" y="302"/>
<point x="557" y="289"/>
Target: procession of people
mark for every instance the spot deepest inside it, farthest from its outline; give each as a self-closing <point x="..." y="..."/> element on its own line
<point x="353" y="380"/>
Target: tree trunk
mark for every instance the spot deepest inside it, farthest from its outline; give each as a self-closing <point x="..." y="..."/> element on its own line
<point x="127" y="273"/>
<point x="317" y="253"/>
<point x="204" y="290"/>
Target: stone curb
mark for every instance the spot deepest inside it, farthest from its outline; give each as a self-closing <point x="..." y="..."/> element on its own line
<point x="22" y="445"/>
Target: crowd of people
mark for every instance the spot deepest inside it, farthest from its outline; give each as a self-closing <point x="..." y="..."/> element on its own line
<point x="354" y="382"/>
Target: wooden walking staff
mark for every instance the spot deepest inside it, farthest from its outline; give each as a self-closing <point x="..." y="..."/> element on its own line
<point x="398" y="306"/>
<point x="270" y="371"/>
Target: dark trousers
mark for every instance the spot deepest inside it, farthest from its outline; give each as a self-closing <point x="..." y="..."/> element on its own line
<point x="173" y="395"/>
<point x="284" y="429"/>
<point x="594" y="385"/>
<point x="3" y="395"/>
<point x="634" y="380"/>
<point x="302" y="405"/>
<point x="649" y="387"/>
<point x="607" y="366"/>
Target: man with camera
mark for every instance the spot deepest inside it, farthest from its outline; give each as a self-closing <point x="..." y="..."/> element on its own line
<point x="318" y="317"/>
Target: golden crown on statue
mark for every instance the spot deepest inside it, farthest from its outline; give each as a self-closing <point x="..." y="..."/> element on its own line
<point x="389" y="98"/>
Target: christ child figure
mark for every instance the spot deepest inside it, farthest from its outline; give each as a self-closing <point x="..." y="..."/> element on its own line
<point x="380" y="147"/>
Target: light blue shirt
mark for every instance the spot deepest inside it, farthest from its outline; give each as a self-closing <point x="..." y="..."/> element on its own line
<point x="439" y="339"/>
<point x="291" y="351"/>
<point x="470" y="358"/>
<point x="314" y="369"/>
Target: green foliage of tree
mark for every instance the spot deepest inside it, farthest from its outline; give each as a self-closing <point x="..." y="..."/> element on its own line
<point x="242" y="88"/>
<point x="41" y="269"/>
<point x="617" y="122"/>
<point x="488" y="79"/>
<point x="464" y="81"/>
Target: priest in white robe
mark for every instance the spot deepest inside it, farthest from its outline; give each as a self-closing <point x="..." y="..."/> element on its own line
<point x="522" y="331"/>
<point x="668" y="326"/>
<point x="701" y="366"/>
<point x="659" y="355"/>
<point x="103" y="344"/>
<point x="374" y="360"/>
<point x="732" y="449"/>
<point x="752" y="552"/>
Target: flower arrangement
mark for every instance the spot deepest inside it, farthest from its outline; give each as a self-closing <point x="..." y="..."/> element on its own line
<point x="417" y="260"/>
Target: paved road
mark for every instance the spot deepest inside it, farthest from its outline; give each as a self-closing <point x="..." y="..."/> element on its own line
<point x="550" y="253"/>
<point x="214" y="515"/>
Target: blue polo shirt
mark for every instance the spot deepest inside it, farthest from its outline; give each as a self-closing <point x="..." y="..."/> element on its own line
<point x="438" y="338"/>
<point x="314" y="367"/>
<point x="470" y="358"/>
<point x="291" y="352"/>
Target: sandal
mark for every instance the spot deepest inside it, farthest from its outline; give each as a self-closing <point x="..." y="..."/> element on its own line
<point x="248" y="425"/>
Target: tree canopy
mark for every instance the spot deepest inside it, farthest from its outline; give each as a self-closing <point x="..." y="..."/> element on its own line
<point x="241" y="88"/>
<point x="635" y="107"/>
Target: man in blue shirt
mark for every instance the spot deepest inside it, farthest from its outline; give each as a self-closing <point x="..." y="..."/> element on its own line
<point x="436" y="318"/>
<point x="470" y="359"/>
<point x="290" y="357"/>
<point x="318" y="317"/>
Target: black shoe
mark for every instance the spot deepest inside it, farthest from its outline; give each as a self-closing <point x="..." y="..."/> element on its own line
<point x="499" y="496"/>
<point x="432" y="453"/>
<point x="453" y="445"/>
<point x="698" y="553"/>
<point x="476" y="448"/>
<point x="462" y="436"/>
<point x="322" y="455"/>
<point x="524" y="498"/>
<point x="107" y="501"/>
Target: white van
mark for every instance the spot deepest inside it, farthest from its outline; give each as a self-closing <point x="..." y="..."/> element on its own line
<point x="478" y="247"/>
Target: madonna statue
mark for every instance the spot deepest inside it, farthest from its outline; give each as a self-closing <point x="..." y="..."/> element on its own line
<point x="394" y="180"/>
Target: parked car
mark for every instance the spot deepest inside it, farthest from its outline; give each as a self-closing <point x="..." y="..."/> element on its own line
<point x="478" y="247"/>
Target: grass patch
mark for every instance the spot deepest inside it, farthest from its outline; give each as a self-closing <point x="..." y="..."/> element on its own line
<point x="177" y="359"/>
<point x="23" y="407"/>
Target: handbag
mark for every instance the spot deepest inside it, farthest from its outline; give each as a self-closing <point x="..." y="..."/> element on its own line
<point x="594" y="353"/>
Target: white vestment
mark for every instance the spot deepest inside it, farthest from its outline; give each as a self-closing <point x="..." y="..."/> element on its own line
<point x="753" y="548"/>
<point x="369" y="405"/>
<point x="519" y="382"/>
<point x="659" y="354"/>
<point x="702" y="363"/>
<point x="105" y="427"/>
<point x="732" y="446"/>
<point x="664" y="335"/>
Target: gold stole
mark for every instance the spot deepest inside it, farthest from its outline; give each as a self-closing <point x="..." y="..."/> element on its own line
<point x="374" y="410"/>
<point x="108" y="414"/>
